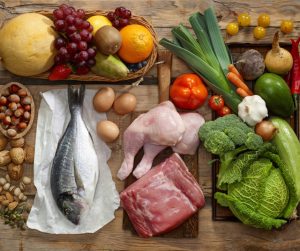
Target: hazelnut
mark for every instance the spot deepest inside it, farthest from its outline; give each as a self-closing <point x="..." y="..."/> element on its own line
<point x="26" y="115"/>
<point x="15" y="121"/>
<point x="11" y="133"/>
<point x="26" y="100"/>
<point x="3" y="108"/>
<point x="29" y="154"/>
<point x="3" y="100"/>
<point x="9" y="112"/>
<point x="17" y="155"/>
<point x="14" y="88"/>
<point x="17" y="142"/>
<point x="15" y="171"/>
<point x="2" y="115"/>
<point x="13" y="106"/>
<point x="22" y="93"/>
<point x="14" y="98"/>
<point x="19" y="112"/>
<point x="22" y="125"/>
<point x="27" y="107"/>
<point x="7" y="120"/>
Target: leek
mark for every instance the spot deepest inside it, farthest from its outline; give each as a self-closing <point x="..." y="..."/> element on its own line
<point x="207" y="55"/>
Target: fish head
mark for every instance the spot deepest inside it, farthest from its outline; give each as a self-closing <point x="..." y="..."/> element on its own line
<point x="71" y="205"/>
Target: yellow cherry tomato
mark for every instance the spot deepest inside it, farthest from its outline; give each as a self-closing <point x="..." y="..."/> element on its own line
<point x="259" y="32"/>
<point x="244" y="19"/>
<point x="232" y="28"/>
<point x="263" y="20"/>
<point x="287" y="26"/>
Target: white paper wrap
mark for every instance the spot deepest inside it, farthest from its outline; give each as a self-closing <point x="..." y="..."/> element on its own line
<point x="53" y="118"/>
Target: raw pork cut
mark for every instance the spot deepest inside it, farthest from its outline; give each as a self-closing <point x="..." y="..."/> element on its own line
<point x="163" y="198"/>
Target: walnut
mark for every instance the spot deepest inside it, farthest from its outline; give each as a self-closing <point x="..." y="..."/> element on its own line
<point x="3" y="142"/>
<point x="17" y="155"/>
<point x="5" y="158"/>
<point x="15" y="172"/>
<point x="17" y="142"/>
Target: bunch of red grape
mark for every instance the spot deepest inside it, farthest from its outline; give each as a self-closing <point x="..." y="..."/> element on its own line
<point x="74" y="44"/>
<point x="120" y="17"/>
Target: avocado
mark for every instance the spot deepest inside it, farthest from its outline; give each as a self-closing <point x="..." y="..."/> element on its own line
<point x="276" y="93"/>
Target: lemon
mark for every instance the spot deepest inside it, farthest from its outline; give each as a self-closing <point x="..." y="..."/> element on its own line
<point x="97" y="22"/>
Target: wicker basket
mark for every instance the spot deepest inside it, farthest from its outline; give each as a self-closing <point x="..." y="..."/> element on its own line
<point x="132" y="75"/>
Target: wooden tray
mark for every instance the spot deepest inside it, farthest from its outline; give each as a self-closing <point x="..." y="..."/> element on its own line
<point x="220" y="213"/>
<point x="189" y="229"/>
<point x="132" y="75"/>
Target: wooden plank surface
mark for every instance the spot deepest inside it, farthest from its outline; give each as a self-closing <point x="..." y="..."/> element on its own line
<point x="212" y="235"/>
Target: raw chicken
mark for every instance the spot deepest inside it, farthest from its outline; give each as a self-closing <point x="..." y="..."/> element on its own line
<point x="162" y="125"/>
<point x="162" y="199"/>
<point x="187" y="145"/>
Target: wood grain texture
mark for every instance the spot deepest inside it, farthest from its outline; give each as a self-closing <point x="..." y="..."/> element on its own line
<point x="212" y="235"/>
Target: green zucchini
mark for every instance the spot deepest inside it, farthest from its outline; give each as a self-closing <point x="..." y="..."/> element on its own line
<point x="288" y="147"/>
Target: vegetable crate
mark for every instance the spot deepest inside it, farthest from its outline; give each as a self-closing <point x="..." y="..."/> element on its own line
<point x="220" y="213"/>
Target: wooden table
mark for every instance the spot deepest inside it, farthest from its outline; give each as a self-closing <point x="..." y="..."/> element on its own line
<point x="212" y="235"/>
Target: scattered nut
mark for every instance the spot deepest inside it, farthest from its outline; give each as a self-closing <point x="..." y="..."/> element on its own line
<point x="21" y="196"/>
<point x="17" y="191"/>
<point x="12" y="205"/>
<point x="5" y="202"/>
<point x="7" y="178"/>
<point x="17" y="155"/>
<point x="14" y="98"/>
<point x="15" y="171"/>
<point x="3" y="142"/>
<point x="11" y="133"/>
<point x="22" y="186"/>
<point x="26" y="180"/>
<point x="17" y="142"/>
<point x="29" y="154"/>
<point x="2" y="181"/>
<point x="6" y="186"/>
<point x="9" y="197"/>
<point x="5" y="158"/>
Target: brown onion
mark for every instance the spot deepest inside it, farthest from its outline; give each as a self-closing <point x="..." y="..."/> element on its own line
<point x="265" y="129"/>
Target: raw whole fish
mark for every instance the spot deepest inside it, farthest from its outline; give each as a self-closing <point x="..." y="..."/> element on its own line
<point x="74" y="173"/>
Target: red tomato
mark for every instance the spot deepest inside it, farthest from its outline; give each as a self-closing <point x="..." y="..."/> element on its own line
<point x="216" y="102"/>
<point x="188" y="91"/>
<point x="224" y="111"/>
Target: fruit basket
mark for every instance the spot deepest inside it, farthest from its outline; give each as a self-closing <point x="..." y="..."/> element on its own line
<point x="131" y="75"/>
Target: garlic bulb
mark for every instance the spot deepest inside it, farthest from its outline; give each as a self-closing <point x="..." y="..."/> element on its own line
<point x="252" y="110"/>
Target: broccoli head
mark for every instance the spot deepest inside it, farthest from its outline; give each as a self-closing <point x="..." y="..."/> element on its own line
<point x="233" y="129"/>
<point x="218" y="142"/>
<point x="253" y="141"/>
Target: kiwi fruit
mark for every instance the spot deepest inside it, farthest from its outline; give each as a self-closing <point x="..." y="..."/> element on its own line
<point x="108" y="40"/>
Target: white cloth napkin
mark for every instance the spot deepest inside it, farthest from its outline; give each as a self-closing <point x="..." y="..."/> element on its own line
<point x="53" y="118"/>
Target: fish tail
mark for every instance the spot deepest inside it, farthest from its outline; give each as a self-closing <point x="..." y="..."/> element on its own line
<point x="75" y="97"/>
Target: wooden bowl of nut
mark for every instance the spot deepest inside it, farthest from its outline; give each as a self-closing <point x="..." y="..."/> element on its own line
<point x="16" y="110"/>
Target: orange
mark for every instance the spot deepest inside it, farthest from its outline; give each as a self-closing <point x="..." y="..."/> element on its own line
<point x="137" y="43"/>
